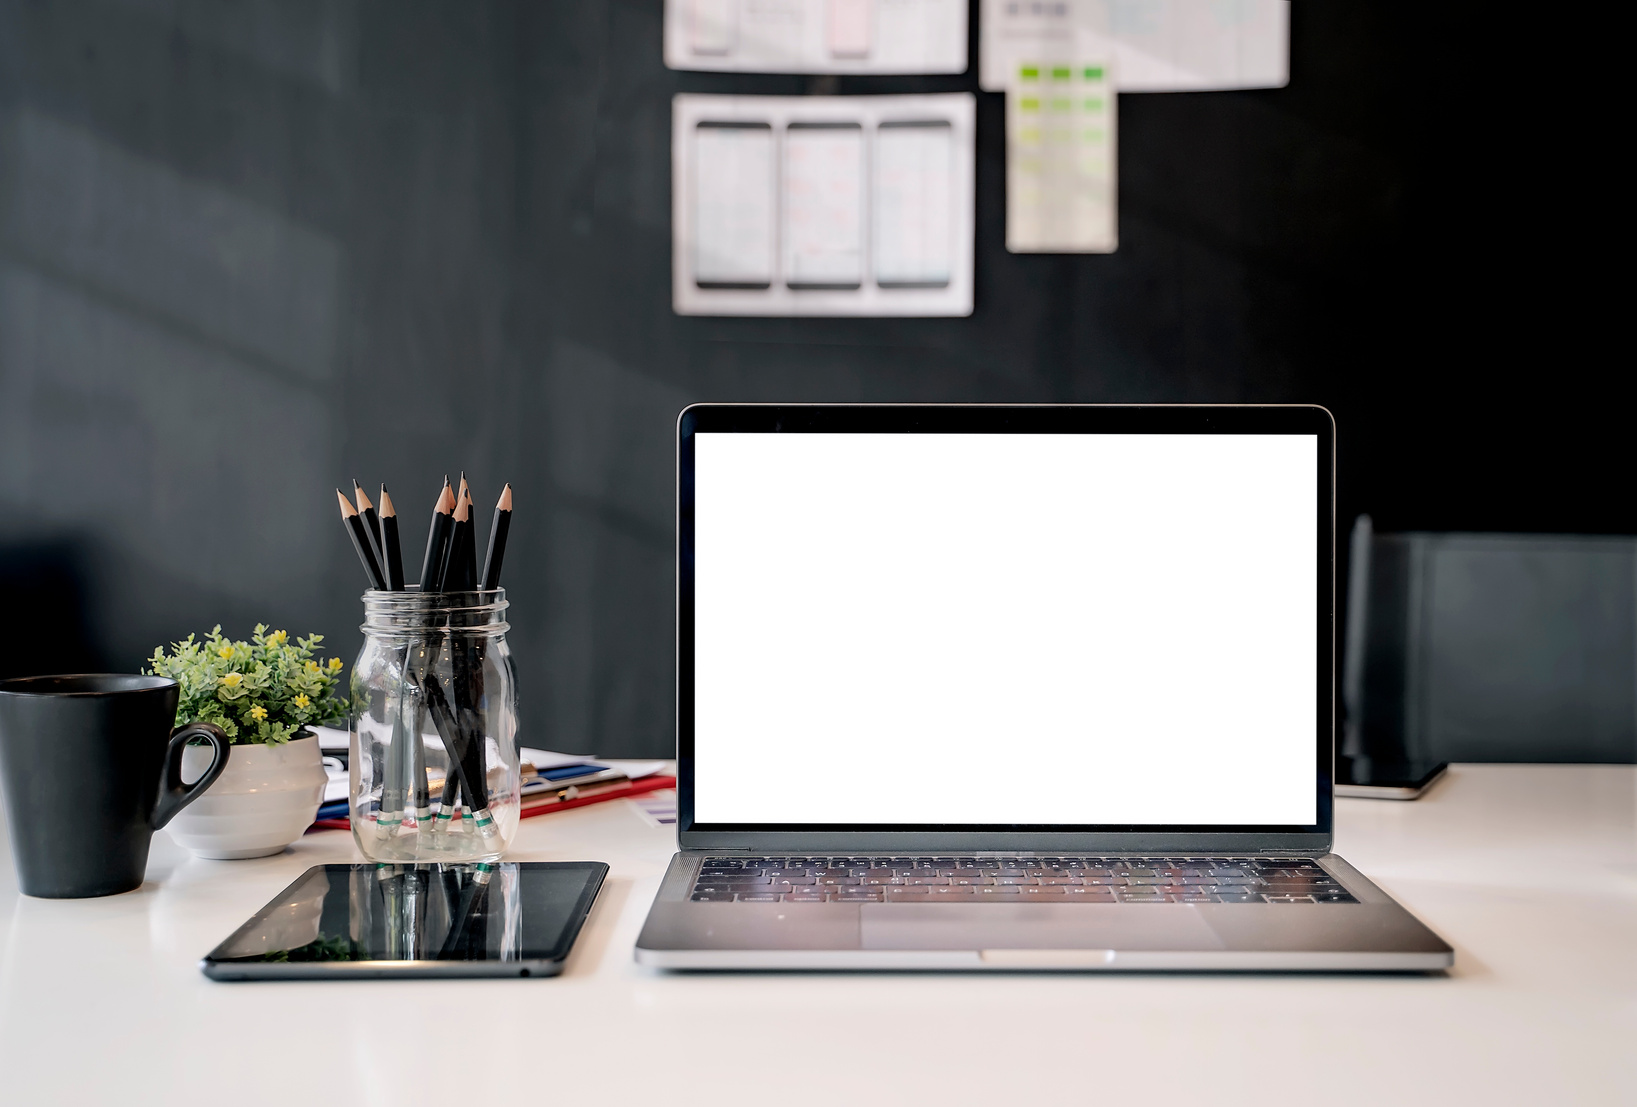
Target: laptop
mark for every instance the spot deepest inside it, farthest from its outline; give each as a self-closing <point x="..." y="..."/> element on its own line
<point x="1010" y="687"/>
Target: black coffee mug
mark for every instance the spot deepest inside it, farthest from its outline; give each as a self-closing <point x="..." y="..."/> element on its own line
<point x="91" y="769"/>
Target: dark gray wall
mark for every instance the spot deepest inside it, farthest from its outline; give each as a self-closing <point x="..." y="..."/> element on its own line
<point x="250" y="250"/>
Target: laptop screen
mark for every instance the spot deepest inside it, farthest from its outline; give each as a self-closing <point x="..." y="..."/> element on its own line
<point x="1005" y="629"/>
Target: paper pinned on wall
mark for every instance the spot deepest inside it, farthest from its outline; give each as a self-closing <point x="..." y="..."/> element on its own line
<point x="914" y="191"/>
<point x="735" y="183"/>
<point x="823" y="205"/>
<point x="1153" y="45"/>
<point x="1060" y="164"/>
<point x="817" y="36"/>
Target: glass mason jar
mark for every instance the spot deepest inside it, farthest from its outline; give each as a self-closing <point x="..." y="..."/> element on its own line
<point x="434" y="761"/>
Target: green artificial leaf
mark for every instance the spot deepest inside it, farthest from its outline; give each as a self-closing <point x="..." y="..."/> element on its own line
<point x="262" y="690"/>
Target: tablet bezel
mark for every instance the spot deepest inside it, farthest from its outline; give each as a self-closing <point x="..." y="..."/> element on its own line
<point x="551" y="964"/>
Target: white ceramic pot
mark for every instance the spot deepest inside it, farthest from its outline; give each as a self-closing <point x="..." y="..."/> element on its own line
<point x="265" y="799"/>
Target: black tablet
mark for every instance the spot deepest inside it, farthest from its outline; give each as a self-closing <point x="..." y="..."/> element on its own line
<point x="387" y="921"/>
<point x="1364" y="778"/>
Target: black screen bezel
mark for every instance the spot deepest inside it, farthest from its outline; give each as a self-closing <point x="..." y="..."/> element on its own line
<point x="535" y="959"/>
<point x="1007" y="419"/>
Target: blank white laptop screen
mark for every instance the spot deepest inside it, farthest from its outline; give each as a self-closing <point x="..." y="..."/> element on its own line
<point x="1045" y="629"/>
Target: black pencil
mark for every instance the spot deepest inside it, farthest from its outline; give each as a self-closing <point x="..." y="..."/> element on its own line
<point x="446" y="802"/>
<point x="437" y="539"/>
<point x="473" y="898"/>
<point x="465" y="756"/>
<point x="360" y="542"/>
<point x="393" y="559"/>
<point x="469" y="689"/>
<point x="466" y="679"/>
<point x="462" y="549"/>
<point x="498" y="530"/>
<point x="453" y="577"/>
<point x="468" y="548"/>
<point x="461" y="728"/>
<point x="372" y="523"/>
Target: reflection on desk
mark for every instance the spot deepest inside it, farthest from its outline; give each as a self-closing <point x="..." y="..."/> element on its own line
<point x="1530" y="871"/>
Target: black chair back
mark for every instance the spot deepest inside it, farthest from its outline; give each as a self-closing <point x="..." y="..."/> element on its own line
<point x="1490" y="647"/>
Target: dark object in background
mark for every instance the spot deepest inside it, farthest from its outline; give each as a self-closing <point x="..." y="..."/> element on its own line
<point x="45" y="588"/>
<point x="495" y="279"/>
<point x="1367" y="778"/>
<point x="1490" y="647"/>
<point x="91" y="769"/>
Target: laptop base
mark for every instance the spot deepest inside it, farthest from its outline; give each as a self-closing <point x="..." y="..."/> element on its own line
<point x="1371" y="934"/>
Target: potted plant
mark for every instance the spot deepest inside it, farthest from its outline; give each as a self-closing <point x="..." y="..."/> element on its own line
<point x="263" y="693"/>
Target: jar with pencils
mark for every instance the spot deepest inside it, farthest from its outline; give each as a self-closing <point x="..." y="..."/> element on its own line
<point x="434" y="759"/>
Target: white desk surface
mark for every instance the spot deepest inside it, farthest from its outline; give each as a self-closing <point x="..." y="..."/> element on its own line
<point x="1529" y="871"/>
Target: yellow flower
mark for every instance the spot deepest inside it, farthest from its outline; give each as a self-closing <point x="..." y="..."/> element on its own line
<point x="226" y="652"/>
<point x="277" y="638"/>
<point x="258" y="713"/>
<point x="335" y="664"/>
<point x="312" y="666"/>
<point x="302" y="700"/>
<point x="233" y="680"/>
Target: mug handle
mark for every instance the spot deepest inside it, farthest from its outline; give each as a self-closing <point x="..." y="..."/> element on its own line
<point x="173" y="794"/>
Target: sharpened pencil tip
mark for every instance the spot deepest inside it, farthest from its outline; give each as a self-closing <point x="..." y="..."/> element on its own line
<point x="347" y="510"/>
<point x="505" y="503"/>
<point x="464" y="511"/>
<point x="359" y="496"/>
<point x="446" y="501"/>
<point x="386" y="503"/>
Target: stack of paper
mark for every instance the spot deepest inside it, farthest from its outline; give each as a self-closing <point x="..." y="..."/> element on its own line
<point x="550" y="780"/>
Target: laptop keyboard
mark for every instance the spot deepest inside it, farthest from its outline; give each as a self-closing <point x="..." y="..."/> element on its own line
<point x="1024" y="880"/>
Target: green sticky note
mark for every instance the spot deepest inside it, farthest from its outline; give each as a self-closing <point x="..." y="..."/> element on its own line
<point x="1093" y="105"/>
<point x="1061" y="73"/>
<point x="1028" y="103"/>
<point x="1093" y="73"/>
<point x="1092" y="136"/>
<point x="1062" y="105"/>
<point x="1029" y="73"/>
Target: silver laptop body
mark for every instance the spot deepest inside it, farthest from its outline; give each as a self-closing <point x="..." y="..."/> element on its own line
<point x="1010" y="687"/>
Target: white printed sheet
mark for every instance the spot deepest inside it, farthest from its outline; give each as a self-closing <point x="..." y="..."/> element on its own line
<point x="1152" y="45"/>
<point x="1060" y="164"/>
<point x="817" y="36"/>
<point x="823" y="205"/>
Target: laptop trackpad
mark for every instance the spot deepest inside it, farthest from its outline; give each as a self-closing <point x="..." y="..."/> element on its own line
<point x="1033" y="926"/>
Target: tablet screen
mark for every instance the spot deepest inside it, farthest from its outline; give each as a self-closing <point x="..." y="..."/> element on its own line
<point x="495" y="919"/>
